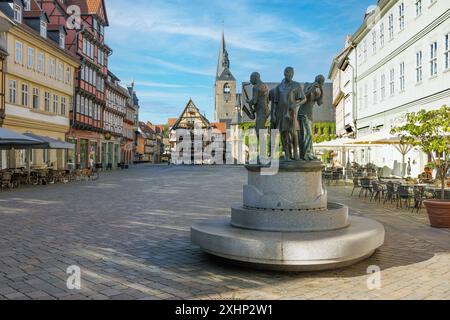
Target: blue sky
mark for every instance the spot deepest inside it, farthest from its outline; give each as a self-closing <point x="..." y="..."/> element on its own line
<point x="170" y="47"/>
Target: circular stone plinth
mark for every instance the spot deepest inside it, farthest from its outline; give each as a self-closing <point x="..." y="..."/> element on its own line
<point x="290" y="251"/>
<point x="336" y="217"/>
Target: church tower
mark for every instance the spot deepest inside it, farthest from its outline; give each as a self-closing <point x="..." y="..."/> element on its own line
<point x="225" y="87"/>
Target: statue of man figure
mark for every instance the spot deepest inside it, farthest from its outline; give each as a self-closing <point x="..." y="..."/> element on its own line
<point x="287" y="98"/>
<point x="259" y="102"/>
<point x="314" y="94"/>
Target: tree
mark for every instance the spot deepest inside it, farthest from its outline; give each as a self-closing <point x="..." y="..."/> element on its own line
<point x="430" y="131"/>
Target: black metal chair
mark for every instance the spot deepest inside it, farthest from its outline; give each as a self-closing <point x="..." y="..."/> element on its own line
<point x="356" y="185"/>
<point x="366" y="187"/>
<point x="378" y="190"/>
<point x="391" y="192"/>
<point x="404" y="195"/>
<point x="419" y="196"/>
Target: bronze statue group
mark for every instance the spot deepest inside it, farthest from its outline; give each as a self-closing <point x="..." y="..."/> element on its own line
<point x="290" y="111"/>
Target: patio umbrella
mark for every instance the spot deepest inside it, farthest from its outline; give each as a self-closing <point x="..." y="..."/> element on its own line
<point x="12" y="140"/>
<point x="386" y="138"/>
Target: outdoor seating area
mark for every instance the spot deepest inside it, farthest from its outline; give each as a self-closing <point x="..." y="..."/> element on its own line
<point x="403" y="193"/>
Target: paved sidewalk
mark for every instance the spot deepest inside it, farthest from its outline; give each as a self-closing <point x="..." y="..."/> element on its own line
<point x="129" y="234"/>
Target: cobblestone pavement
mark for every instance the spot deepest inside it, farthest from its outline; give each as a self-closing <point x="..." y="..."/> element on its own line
<point x="129" y="233"/>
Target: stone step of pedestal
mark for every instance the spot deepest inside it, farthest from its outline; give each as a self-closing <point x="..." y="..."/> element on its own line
<point x="290" y="251"/>
<point x="336" y="217"/>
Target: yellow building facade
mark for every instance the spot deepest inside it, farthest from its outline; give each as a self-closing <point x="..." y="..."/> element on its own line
<point x="39" y="89"/>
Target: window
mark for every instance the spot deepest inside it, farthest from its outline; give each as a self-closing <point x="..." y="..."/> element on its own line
<point x="375" y="91"/>
<point x="35" y="98"/>
<point x="52" y="68"/>
<point x="374" y="42"/>
<point x="30" y="60"/>
<point x="365" y="50"/>
<point x="433" y="58"/>
<point x="17" y="13"/>
<point x="27" y="5"/>
<point x="382" y="35"/>
<point x="82" y="109"/>
<point x="19" y="52"/>
<point x="63" y="106"/>
<point x="40" y="62"/>
<point x="60" y="71"/>
<point x="391" y="26"/>
<point x="447" y="51"/>
<point x="43" y="29"/>
<point x="383" y="87"/>
<point x="419" y="72"/>
<point x="418" y="7"/>
<point x="402" y="76"/>
<point x="392" y="82"/>
<point x="55" y="104"/>
<point x="366" y="98"/>
<point x="68" y="74"/>
<point x="12" y="91"/>
<point x="401" y="16"/>
<point x="62" y="40"/>
<point x="25" y="95"/>
<point x="47" y="102"/>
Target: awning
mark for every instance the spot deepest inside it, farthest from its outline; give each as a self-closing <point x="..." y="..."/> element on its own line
<point x="337" y="143"/>
<point x="51" y="143"/>
<point x="12" y="140"/>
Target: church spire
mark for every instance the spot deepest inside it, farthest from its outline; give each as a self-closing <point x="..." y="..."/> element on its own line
<point x="223" y="63"/>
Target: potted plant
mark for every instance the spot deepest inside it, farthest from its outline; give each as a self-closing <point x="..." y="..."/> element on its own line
<point x="430" y="131"/>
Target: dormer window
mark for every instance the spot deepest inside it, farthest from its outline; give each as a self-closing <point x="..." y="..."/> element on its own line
<point x="62" y="40"/>
<point x="43" y="29"/>
<point x="27" y="5"/>
<point x="17" y="13"/>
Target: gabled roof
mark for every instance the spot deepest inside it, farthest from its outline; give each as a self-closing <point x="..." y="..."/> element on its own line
<point x="95" y="7"/>
<point x="190" y="104"/>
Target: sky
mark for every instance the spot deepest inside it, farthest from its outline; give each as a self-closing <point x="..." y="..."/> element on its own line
<point x="170" y="48"/>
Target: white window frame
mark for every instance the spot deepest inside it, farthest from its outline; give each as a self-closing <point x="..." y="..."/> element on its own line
<point x="19" y="52"/>
<point x="35" y="102"/>
<point x="382" y="35"/>
<point x="25" y="95"/>
<point x="43" y="29"/>
<point x="391" y="26"/>
<point x="68" y="74"/>
<point x="383" y="87"/>
<point x="40" y="62"/>
<point x="63" y="106"/>
<point x="433" y="59"/>
<point x="419" y="66"/>
<point x="55" y="104"/>
<point x="47" y="98"/>
<point x="375" y="91"/>
<point x="30" y="58"/>
<point x="447" y="52"/>
<point x="392" y="82"/>
<point x="13" y="91"/>
<point x="62" y="40"/>
<point x="52" y="68"/>
<point x="402" y="77"/>
<point x="374" y="42"/>
<point x="60" y="71"/>
<point x="418" y="4"/>
<point x="401" y="16"/>
<point x="27" y="6"/>
<point x="17" y="13"/>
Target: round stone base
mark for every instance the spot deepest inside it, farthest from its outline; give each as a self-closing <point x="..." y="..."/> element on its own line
<point x="334" y="218"/>
<point x="290" y="251"/>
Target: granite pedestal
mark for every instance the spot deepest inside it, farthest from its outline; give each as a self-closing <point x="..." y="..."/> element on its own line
<point x="287" y="223"/>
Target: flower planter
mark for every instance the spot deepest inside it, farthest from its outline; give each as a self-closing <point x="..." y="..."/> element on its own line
<point x="438" y="212"/>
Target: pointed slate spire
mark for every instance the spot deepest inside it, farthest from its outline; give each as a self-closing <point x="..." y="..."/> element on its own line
<point x="223" y="63"/>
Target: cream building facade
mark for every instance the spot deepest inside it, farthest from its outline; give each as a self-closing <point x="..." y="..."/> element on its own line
<point x="403" y="65"/>
<point x="39" y="85"/>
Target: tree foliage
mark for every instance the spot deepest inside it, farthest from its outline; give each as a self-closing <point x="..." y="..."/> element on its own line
<point x="430" y="131"/>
